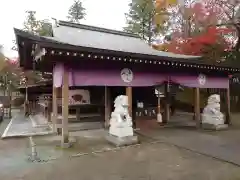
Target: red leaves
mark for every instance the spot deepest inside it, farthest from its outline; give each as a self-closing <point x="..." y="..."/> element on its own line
<point x="196" y="45"/>
<point x="198" y="31"/>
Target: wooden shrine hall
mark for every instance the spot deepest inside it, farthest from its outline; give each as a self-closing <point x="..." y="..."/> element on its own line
<point x="80" y="56"/>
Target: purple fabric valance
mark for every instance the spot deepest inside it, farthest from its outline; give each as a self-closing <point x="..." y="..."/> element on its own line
<point x="201" y="81"/>
<point x="134" y="78"/>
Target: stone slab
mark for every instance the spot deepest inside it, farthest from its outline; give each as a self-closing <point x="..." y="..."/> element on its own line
<point x="123" y="141"/>
<point x="21" y="126"/>
<point x="66" y="145"/>
<point x="214" y="127"/>
<point x="38" y="121"/>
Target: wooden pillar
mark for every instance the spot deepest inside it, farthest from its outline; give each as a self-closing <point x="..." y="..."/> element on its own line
<point x="159" y="115"/>
<point x="65" y="101"/>
<point x="197" y="106"/>
<point x="78" y="113"/>
<point x="54" y="109"/>
<point x="26" y="105"/>
<point x="167" y="104"/>
<point x="129" y="94"/>
<point x="158" y="104"/>
<point x="107" y="106"/>
<point x="228" y="110"/>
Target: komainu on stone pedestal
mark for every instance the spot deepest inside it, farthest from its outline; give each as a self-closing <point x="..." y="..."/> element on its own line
<point x="212" y="118"/>
<point x="121" y="131"/>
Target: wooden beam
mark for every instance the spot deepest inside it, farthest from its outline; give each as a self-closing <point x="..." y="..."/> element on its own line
<point x="107" y="106"/>
<point x="228" y="110"/>
<point x="197" y="106"/>
<point x="54" y="109"/>
<point x="65" y="99"/>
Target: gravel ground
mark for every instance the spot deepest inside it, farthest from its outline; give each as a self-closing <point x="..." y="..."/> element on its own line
<point x="146" y="161"/>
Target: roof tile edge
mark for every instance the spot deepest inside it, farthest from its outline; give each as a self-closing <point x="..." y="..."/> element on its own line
<point x="95" y="28"/>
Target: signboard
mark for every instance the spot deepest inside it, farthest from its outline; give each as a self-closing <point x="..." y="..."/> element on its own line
<point x="158" y="93"/>
<point x="79" y="96"/>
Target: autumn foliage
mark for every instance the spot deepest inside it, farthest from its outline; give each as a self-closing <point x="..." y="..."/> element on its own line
<point x="198" y="33"/>
<point x="197" y="45"/>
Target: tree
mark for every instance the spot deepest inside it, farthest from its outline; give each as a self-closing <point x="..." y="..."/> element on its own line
<point x="146" y="20"/>
<point x="16" y="74"/>
<point x="31" y="24"/>
<point x="228" y="14"/>
<point x="209" y="44"/>
<point x="35" y="26"/>
<point x="197" y="32"/>
<point x="2" y="58"/>
<point x="76" y="12"/>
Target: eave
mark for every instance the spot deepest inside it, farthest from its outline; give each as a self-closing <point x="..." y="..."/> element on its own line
<point x="54" y="48"/>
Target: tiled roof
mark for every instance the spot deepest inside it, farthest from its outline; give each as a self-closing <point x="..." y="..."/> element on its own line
<point x="77" y="37"/>
<point x="101" y="38"/>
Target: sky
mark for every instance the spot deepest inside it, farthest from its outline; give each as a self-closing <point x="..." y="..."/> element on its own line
<point x="103" y="13"/>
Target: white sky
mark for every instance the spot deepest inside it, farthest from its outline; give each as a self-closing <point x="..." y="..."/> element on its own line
<point x="103" y="13"/>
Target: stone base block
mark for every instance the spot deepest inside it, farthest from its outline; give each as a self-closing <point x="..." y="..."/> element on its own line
<point x="214" y="127"/>
<point x="122" y="141"/>
<point x="65" y="145"/>
<point x="126" y="131"/>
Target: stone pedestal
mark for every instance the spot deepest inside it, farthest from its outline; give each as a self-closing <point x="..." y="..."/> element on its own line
<point x="159" y="118"/>
<point x="218" y="127"/>
<point x="121" y="136"/>
<point x="121" y="131"/>
<point x="66" y="145"/>
<point x="122" y="141"/>
<point x="210" y="122"/>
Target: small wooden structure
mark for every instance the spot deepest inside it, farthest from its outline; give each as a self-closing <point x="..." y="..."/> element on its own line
<point x="80" y="55"/>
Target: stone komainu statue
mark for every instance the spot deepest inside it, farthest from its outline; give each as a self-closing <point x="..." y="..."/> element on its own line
<point x="121" y="122"/>
<point x="211" y="113"/>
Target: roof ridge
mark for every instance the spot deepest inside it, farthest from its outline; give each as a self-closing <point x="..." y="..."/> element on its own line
<point x="95" y="28"/>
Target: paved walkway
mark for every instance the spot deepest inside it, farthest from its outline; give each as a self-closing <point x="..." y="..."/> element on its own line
<point x="38" y="120"/>
<point x="220" y="145"/>
<point x="22" y="126"/>
<point x="144" y="162"/>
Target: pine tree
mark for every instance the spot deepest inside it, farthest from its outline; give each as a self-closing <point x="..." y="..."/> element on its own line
<point x="141" y="19"/>
<point x="76" y="12"/>
<point x="35" y="26"/>
<point x="31" y="23"/>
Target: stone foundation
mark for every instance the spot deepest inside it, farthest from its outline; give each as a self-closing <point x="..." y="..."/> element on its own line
<point x="122" y="141"/>
<point x="214" y="127"/>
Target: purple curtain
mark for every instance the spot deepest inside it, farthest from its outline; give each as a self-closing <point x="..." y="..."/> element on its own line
<point x="201" y="81"/>
<point x="112" y="77"/>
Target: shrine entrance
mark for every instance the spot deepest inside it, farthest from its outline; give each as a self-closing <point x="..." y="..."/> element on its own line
<point x="88" y="57"/>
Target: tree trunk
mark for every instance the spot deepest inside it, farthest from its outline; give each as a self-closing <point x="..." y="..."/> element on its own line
<point x="237" y="46"/>
<point x="143" y="31"/>
<point x="10" y="99"/>
<point x="149" y="30"/>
